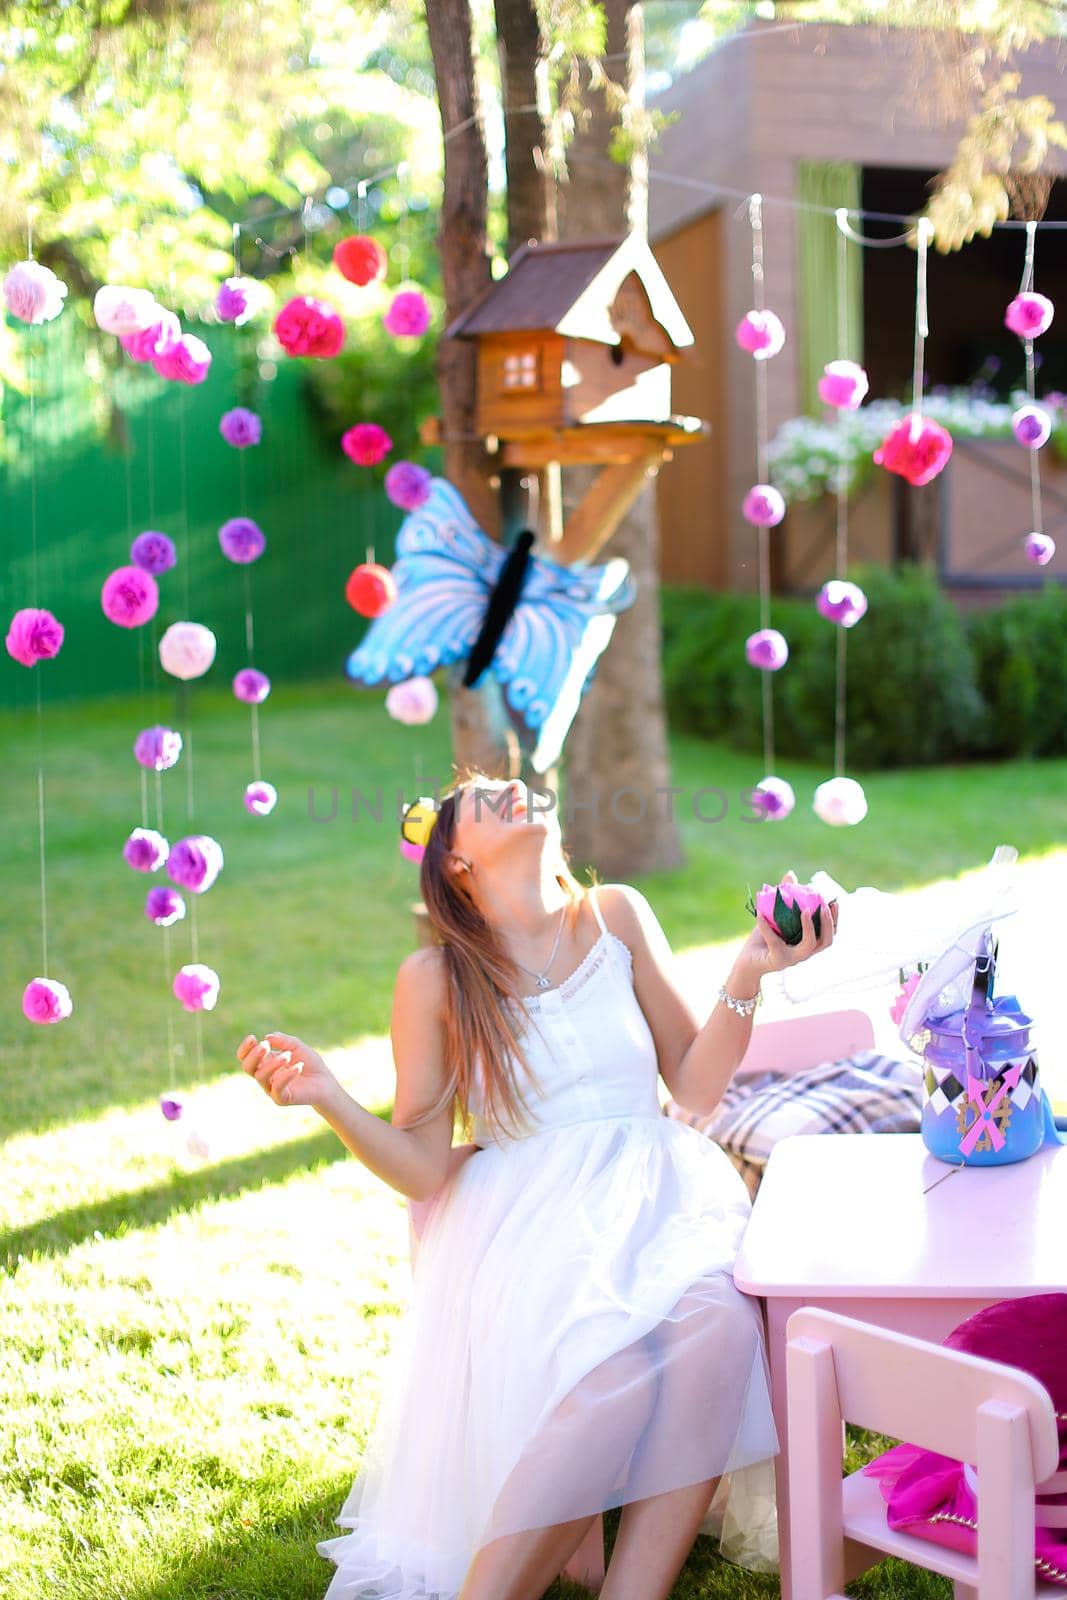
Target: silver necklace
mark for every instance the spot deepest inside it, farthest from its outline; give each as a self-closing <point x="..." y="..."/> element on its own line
<point x="541" y="978"/>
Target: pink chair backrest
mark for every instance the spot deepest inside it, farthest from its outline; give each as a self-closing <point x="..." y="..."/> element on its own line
<point x="796" y="1043"/>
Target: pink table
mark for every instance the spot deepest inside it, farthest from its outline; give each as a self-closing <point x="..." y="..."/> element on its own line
<point x="841" y="1221"/>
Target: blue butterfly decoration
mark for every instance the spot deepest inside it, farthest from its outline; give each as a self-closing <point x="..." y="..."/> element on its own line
<point x="537" y="626"/>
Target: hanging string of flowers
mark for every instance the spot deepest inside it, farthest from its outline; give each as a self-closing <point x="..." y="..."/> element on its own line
<point x="1029" y="315"/>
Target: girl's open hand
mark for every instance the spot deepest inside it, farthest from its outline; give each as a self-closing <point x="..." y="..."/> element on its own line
<point x="285" y="1068"/>
<point x="766" y="951"/>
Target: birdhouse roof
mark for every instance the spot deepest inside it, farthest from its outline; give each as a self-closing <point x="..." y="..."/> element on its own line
<point x="569" y="288"/>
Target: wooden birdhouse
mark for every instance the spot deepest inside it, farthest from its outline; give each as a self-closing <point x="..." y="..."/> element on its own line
<point x="575" y="350"/>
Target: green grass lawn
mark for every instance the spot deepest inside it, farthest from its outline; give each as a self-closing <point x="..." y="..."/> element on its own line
<point x="191" y="1347"/>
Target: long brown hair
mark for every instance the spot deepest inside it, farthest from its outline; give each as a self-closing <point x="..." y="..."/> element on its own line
<point x="483" y="1005"/>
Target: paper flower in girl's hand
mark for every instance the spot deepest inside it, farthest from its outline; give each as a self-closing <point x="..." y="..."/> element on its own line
<point x="195" y="862"/>
<point x="260" y="798"/>
<point x="306" y="327"/>
<point x="408" y="485"/>
<point x="773" y="797"/>
<point x="130" y="597"/>
<point x="371" y="589"/>
<point x="158" y="748"/>
<point x="164" y="906"/>
<point x="33" y="293"/>
<point x="766" y="649"/>
<point x="33" y="636"/>
<point x="843" y="384"/>
<point x="366" y="444"/>
<point x="763" y="506"/>
<point x="1040" y="548"/>
<point x="242" y="540"/>
<point x="760" y="333"/>
<point x="360" y="259"/>
<point x="185" y="360"/>
<point x="782" y="904"/>
<point x="119" y="309"/>
<point x="240" y="428"/>
<point x="46" y="1000"/>
<point x="251" y="686"/>
<point x="146" y="850"/>
<point x="413" y="702"/>
<point x="841" y="802"/>
<point x="917" y="449"/>
<point x="1031" y="426"/>
<point x="171" y="1107"/>
<point x="841" y="602"/>
<point x="236" y="299"/>
<point x="187" y="650"/>
<point x="197" y="987"/>
<point x="408" y="315"/>
<point x="162" y="332"/>
<point x="1029" y="315"/>
<point x="153" y="553"/>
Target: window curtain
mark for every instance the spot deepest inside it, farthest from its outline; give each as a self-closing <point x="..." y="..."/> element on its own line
<point x="829" y="184"/>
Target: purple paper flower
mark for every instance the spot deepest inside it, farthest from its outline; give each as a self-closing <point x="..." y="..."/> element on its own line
<point x="153" y="552"/>
<point x="1031" y="426"/>
<point x="763" y="506"/>
<point x="235" y="299"/>
<point x="197" y="987"/>
<point x="760" y="333"/>
<point x="841" y="802"/>
<point x="187" y="650"/>
<point x="130" y="597"/>
<point x="195" y="862"/>
<point x="164" y="906"/>
<point x="413" y="702"/>
<point x="408" y="485"/>
<point x="145" y="850"/>
<point x="119" y="309"/>
<point x="1029" y="315"/>
<point x="766" y="649"/>
<point x="241" y="427"/>
<point x="158" y="748"/>
<point x="33" y="293"/>
<point x="260" y="798"/>
<point x="841" y="602"/>
<point x="408" y="315"/>
<point x="774" y="797"/>
<point x="251" y="686"/>
<point x="46" y="1000"/>
<point x="171" y="1107"/>
<point x="162" y="332"/>
<point x="186" y="360"/>
<point x="843" y="385"/>
<point x="33" y="636"/>
<point x="242" y="540"/>
<point x="1040" y="548"/>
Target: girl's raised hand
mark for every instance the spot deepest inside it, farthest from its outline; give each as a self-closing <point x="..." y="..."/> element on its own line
<point x="291" y="1072"/>
<point x="768" y="950"/>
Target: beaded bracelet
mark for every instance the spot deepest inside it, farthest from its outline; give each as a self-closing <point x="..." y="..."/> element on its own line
<point x="744" y="1008"/>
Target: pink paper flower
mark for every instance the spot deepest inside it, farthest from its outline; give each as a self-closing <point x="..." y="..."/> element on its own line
<point x="195" y="862"/>
<point x="187" y="360"/>
<point x="242" y="540"/>
<point x="917" y="448"/>
<point x="306" y="327"/>
<point x="408" y="315"/>
<point x="763" y="506"/>
<point x="241" y="428"/>
<point x="46" y="1000"/>
<point x="1040" y="548"/>
<point x="774" y="899"/>
<point x="1031" y="426"/>
<point x="841" y="602"/>
<point x="187" y="650"/>
<point x="412" y="852"/>
<point x="413" y="702"/>
<point x="165" y="330"/>
<point x="153" y="553"/>
<point x="761" y="334"/>
<point x="260" y="798"/>
<point x="158" y="748"/>
<point x="197" y="987"/>
<point x="360" y="259"/>
<point x="164" y="906"/>
<point x="33" y="293"/>
<point x="774" y="797"/>
<point x="843" y="385"/>
<point x="146" y="850"/>
<point x="407" y="485"/>
<point x="1029" y="315"/>
<point x="235" y="300"/>
<point x="119" y="309"/>
<point x="251" y="686"/>
<point x="900" y="1004"/>
<point x="841" y="802"/>
<point x="171" y="1107"/>
<point x="130" y="597"/>
<point x="766" y="649"/>
<point x="33" y="636"/>
<point x="366" y="444"/>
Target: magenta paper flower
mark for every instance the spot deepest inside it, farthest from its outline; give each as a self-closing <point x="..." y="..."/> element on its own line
<point x="187" y="360"/>
<point x="841" y="802"/>
<point x="130" y="597"/>
<point x="119" y="309"/>
<point x="917" y="448"/>
<point x="33" y="636"/>
<point x="366" y="444"/>
<point x="171" y="1107"/>
<point x="195" y="862"/>
<point x="1031" y="426"/>
<point x="408" y="485"/>
<point x="763" y="506"/>
<point x="235" y="300"/>
<point x="760" y="333"/>
<point x="33" y="293"/>
<point x="766" y="649"/>
<point x="153" y="553"/>
<point x="774" y="797"/>
<point x="1040" y="548"/>
<point x="774" y="900"/>
<point x="408" y="315"/>
<point x="900" y="1004"/>
<point x="260" y="798"/>
<point x="240" y="428"/>
<point x="306" y="327"/>
<point x="841" y="602"/>
<point x="843" y="385"/>
<point x="146" y="850"/>
<point x="46" y="1000"/>
<point x="251" y="686"/>
<point x="187" y="650"/>
<point x="197" y="987"/>
<point x="413" y="702"/>
<point x="158" y="748"/>
<point x="1029" y="315"/>
<point x="143" y="346"/>
<point x="242" y="540"/>
<point x="412" y="852"/>
<point x="164" y="906"/>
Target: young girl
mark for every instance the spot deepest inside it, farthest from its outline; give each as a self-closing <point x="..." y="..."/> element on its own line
<point x="575" y="1340"/>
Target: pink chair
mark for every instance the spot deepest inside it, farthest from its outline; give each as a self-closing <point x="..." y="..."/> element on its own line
<point x="971" y="1409"/>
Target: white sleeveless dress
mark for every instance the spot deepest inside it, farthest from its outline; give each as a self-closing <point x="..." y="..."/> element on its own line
<point x="574" y="1339"/>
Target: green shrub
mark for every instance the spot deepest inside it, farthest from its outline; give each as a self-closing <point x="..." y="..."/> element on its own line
<point x="1020" y="652"/>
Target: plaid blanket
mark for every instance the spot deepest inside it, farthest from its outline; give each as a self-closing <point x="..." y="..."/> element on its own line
<point x="865" y="1093"/>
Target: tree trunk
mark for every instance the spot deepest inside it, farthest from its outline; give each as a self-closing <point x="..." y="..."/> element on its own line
<point x="519" y="46"/>
<point x="618" y="813"/>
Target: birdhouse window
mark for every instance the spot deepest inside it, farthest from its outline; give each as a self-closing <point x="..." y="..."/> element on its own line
<point x="520" y="372"/>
